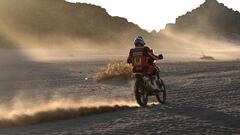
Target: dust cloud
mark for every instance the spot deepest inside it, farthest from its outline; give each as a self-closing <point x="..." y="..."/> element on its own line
<point x="58" y="110"/>
<point x="191" y="46"/>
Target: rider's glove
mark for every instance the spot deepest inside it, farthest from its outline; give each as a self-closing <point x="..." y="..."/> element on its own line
<point x="160" y="56"/>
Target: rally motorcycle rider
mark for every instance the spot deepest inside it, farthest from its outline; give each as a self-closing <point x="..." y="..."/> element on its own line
<point x="142" y="58"/>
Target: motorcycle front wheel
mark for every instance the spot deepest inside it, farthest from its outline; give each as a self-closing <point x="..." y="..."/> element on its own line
<point x="162" y="94"/>
<point x="140" y="93"/>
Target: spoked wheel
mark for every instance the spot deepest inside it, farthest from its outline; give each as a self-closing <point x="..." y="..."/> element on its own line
<point x="161" y="96"/>
<point x="140" y="93"/>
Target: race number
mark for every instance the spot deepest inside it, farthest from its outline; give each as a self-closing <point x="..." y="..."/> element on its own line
<point x="138" y="60"/>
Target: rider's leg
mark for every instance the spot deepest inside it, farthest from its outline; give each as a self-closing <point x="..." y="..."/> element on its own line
<point x="151" y="73"/>
<point x="156" y="76"/>
<point x="157" y="70"/>
<point x="154" y="79"/>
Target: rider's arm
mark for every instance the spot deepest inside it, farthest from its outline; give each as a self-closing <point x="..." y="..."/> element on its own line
<point x="151" y="54"/>
<point x="129" y="60"/>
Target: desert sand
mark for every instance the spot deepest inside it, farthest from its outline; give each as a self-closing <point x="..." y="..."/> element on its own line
<point x="63" y="97"/>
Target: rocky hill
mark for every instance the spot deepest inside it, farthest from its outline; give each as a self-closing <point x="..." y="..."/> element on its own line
<point x="210" y="19"/>
<point x="54" y="20"/>
<point x="46" y="18"/>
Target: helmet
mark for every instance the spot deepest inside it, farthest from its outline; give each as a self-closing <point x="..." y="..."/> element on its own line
<point x="139" y="41"/>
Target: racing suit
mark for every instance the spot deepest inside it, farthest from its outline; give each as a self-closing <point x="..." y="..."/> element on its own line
<point x="142" y="59"/>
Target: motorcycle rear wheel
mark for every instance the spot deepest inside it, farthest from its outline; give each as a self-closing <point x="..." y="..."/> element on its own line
<point x="140" y="93"/>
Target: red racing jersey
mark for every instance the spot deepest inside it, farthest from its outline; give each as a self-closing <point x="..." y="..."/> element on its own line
<point x="141" y="58"/>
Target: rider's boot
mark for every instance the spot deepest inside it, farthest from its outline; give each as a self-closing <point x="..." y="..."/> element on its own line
<point x="155" y="84"/>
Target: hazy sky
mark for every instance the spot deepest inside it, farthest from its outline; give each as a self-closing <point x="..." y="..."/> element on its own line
<point x="152" y="14"/>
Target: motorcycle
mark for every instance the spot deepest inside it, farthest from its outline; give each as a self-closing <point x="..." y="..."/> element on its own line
<point x="149" y="85"/>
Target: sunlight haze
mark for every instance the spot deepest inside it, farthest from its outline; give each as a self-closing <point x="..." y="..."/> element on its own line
<point x="152" y="14"/>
